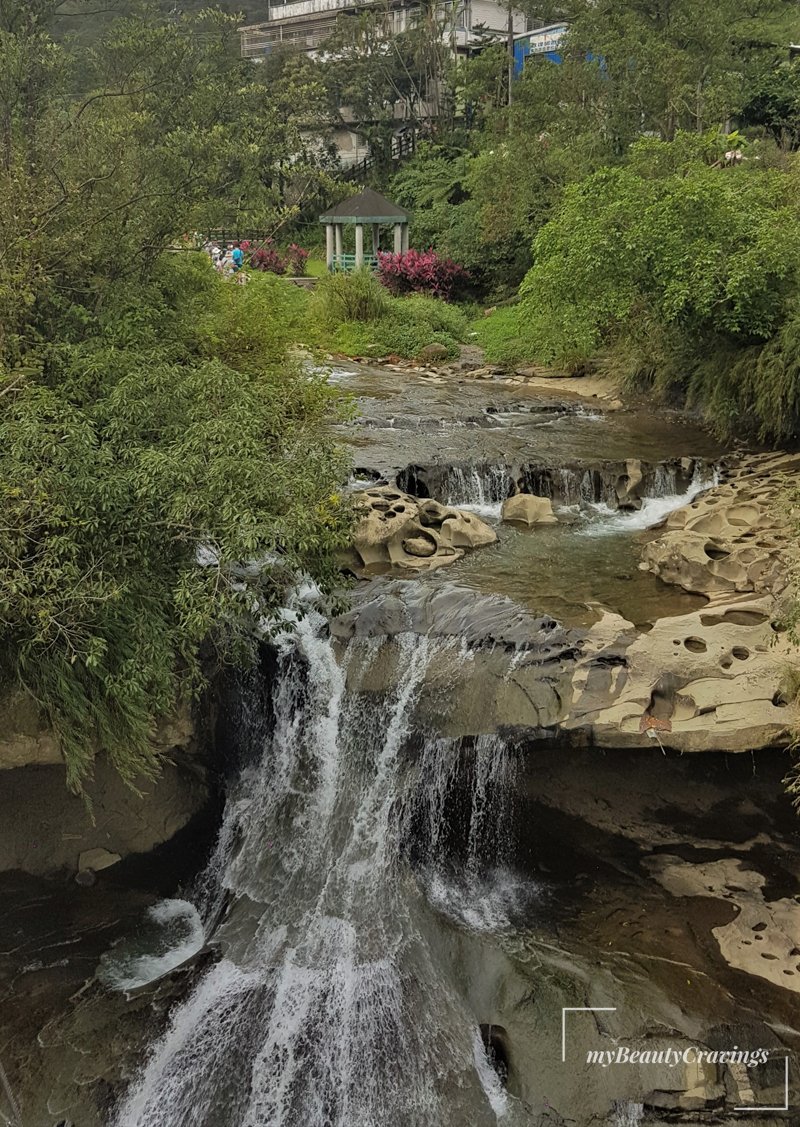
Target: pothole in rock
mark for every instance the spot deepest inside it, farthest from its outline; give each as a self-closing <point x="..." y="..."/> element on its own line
<point x="495" y="1042"/>
<point x="714" y="552"/>
<point x="735" y="618"/>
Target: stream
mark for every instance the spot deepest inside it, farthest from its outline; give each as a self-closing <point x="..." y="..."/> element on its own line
<point x="395" y="913"/>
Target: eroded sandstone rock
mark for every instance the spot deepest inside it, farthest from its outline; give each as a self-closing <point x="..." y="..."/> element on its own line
<point x="523" y="508"/>
<point x="762" y="939"/>
<point x="25" y="738"/>
<point x="399" y="531"/>
<point x="733" y="538"/>
<point x="44" y="828"/>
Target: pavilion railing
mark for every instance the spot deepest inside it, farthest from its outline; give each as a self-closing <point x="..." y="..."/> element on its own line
<point x="348" y="261"/>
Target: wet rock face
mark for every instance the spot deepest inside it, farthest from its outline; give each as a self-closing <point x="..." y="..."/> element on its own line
<point x="46" y="829"/>
<point x="388" y="607"/>
<point x="25" y="739"/>
<point x="619" y="484"/>
<point x="398" y="531"/>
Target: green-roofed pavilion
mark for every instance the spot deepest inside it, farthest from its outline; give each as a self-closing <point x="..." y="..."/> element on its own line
<point x="368" y="208"/>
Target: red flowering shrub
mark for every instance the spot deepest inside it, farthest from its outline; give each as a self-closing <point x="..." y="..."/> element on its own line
<point x="421" y="272"/>
<point x="296" y="259"/>
<point x="268" y="258"/>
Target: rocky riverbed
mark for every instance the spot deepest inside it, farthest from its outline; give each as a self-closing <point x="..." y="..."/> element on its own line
<point x="559" y="746"/>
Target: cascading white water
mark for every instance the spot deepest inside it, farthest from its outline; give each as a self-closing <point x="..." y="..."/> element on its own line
<point x="331" y="1006"/>
<point x="654" y="508"/>
<point x="627" y="1113"/>
<point x="480" y="489"/>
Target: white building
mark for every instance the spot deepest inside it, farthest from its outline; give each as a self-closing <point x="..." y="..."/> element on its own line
<point x="306" y="24"/>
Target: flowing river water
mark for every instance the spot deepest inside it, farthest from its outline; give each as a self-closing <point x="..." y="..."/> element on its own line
<point x="397" y="914"/>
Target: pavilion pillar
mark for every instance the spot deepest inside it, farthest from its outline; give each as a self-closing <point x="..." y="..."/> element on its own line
<point x="359" y="245"/>
<point x="329" y="249"/>
<point x="404" y="237"/>
<point x="398" y="238"/>
<point x="337" y="231"/>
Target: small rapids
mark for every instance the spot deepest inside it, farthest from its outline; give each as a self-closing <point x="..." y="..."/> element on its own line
<point x="335" y="1002"/>
<point x="654" y="509"/>
<point x="479" y="489"/>
<point x="589" y="495"/>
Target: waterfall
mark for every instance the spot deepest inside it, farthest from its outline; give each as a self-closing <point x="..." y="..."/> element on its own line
<point x="332" y="1005"/>
<point x="479" y="488"/>
<point x="658" y="505"/>
<point x="627" y="1113"/>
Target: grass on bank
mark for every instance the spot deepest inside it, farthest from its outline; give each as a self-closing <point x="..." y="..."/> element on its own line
<point x="501" y="335"/>
<point x="355" y="315"/>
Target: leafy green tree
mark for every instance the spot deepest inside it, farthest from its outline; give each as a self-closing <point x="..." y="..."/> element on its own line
<point x="149" y="410"/>
<point x="668" y="64"/>
<point x="126" y="458"/>
<point x="379" y="77"/>
<point x="675" y="268"/>
<point x="774" y="104"/>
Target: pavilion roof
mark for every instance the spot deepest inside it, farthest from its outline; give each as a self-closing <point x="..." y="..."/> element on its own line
<point x="368" y="206"/>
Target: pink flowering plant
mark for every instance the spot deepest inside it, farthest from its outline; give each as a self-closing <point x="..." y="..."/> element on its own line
<point x="268" y="258"/>
<point x="422" y="272"/>
<point x="296" y="259"/>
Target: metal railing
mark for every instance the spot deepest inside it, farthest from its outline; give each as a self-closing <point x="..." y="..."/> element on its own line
<point x="348" y="261"/>
<point x="403" y="146"/>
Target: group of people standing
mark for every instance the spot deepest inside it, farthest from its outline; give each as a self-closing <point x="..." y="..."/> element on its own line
<point x="229" y="261"/>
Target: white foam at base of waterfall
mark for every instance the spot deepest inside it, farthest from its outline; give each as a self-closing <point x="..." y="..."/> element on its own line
<point x="331" y="1006"/>
<point x="653" y="510"/>
<point x="179" y="936"/>
<point x="478" y="490"/>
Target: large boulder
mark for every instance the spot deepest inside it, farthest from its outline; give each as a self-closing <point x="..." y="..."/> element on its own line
<point x="397" y="531"/>
<point x="433" y="354"/>
<point x="524" y="508"/>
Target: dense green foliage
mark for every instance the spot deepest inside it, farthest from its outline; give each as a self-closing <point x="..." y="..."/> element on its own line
<point x="683" y="275"/>
<point x="149" y="410"/>
<point x="488" y="179"/>
<point x="354" y="314"/>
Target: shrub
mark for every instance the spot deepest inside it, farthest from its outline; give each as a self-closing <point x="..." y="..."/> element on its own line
<point x="390" y="336"/>
<point x="502" y="336"/>
<point x="421" y="272"/>
<point x="440" y="316"/>
<point x="350" y="297"/>
<point x="268" y="259"/>
<point x="296" y="260"/>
